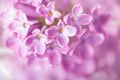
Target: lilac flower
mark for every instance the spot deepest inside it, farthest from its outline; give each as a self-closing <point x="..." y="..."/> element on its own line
<point x="54" y="52"/>
<point x="99" y="19"/>
<point x="85" y="67"/>
<point x="49" y="12"/>
<point x="7" y="14"/>
<point x="36" y="42"/>
<point x="33" y="2"/>
<point x="94" y="38"/>
<point x="20" y="25"/>
<point x="76" y="17"/>
<point x="62" y="33"/>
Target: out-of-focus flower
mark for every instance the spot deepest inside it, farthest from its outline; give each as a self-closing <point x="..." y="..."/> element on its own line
<point x="33" y="2"/>
<point x="18" y="46"/>
<point x="85" y="47"/>
<point x="20" y="25"/>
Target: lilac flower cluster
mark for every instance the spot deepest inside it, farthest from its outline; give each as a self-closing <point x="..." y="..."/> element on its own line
<point x="38" y="29"/>
<point x="59" y="39"/>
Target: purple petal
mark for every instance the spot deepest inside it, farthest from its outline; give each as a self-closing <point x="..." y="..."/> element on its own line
<point x="79" y="29"/>
<point x="41" y="10"/>
<point x="10" y="42"/>
<point x="52" y="31"/>
<point x="15" y="25"/>
<point x="85" y="19"/>
<point x="54" y="58"/>
<point x="95" y="38"/>
<point x="77" y="10"/>
<point x="56" y="14"/>
<point x="29" y="10"/>
<point x="87" y="51"/>
<point x="40" y="48"/>
<point x="62" y="40"/>
<point x="49" y="20"/>
<point x="30" y="41"/>
<point x="84" y="51"/>
<point x="95" y="10"/>
<point x="65" y="18"/>
<point x="69" y="19"/>
<point x="13" y="43"/>
<point x="70" y="31"/>
<point x="60" y="24"/>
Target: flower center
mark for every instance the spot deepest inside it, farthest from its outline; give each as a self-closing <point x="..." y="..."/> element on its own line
<point x="61" y="30"/>
<point x="52" y="46"/>
<point x="25" y="25"/>
<point x="50" y="13"/>
<point x="73" y="19"/>
<point x="38" y="36"/>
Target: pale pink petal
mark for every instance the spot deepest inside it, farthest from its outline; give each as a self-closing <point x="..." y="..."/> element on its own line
<point x="49" y="20"/>
<point x="70" y="31"/>
<point x="14" y="25"/>
<point x="77" y="10"/>
<point x="26" y="1"/>
<point x="85" y="19"/>
<point x="44" y="38"/>
<point x="21" y="33"/>
<point x="40" y="48"/>
<point x="56" y="14"/>
<point x="36" y="2"/>
<point x="54" y="58"/>
<point x="62" y="40"/>
<point x="23" y="51"/>
<point x="65" y="19"/>
<point x="21" y="16"/>
<point x="36" y="31"/>
<point x="51" y="5"/>
<point x="64" y="50"/>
